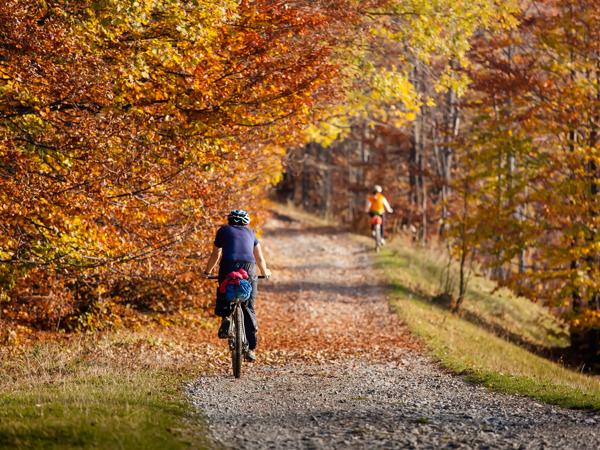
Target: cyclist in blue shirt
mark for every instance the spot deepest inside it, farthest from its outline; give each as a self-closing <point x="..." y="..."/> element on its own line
<point x="236" y="247"/>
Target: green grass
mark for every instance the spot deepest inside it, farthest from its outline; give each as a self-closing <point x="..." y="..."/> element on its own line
<point x="106" y="411"/>
<point x="499" y="309"/>
<point x="469" y="347"/>
<point x="61" y="396"/>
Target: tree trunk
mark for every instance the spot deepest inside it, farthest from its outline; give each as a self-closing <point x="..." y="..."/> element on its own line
<point x="464" y="247"/>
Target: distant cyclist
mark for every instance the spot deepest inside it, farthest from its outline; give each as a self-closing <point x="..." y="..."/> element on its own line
<point x="236" y="247"/>
<point x="377" y="205"/>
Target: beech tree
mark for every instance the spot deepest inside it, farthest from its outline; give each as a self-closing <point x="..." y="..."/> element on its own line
<point x="129" y="128"/>
<point x="534" y="140"/>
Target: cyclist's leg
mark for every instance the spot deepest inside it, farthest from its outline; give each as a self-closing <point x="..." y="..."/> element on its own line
<point x="250" y="325"/>
<point x="221" y="306"/>
<point x="371" y="215"/>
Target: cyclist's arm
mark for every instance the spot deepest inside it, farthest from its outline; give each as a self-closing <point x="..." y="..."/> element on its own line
<point x="387" y="206"/>
<point x="367" y="206"/>
<point x="260" y="261"/>
<point x="213" y="259"/>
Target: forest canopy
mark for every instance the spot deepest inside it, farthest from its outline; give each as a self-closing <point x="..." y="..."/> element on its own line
<point x="498" y="158"/>
<point x="129" y="128"/>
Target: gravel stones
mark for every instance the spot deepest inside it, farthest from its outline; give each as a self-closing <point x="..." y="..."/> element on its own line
<point x="379" y="393"/>
<point x="364" y="404"/>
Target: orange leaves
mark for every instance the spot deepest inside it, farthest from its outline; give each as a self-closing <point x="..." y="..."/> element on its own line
<point x="537" y="143"/>
<point x="126" y="133"/>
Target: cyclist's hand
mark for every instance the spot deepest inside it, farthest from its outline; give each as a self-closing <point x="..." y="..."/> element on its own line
<point x="267" y="273"/>
<point x="206" y="274"/>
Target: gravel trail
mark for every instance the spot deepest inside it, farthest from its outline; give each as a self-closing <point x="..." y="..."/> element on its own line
<point x="337" y="370"/>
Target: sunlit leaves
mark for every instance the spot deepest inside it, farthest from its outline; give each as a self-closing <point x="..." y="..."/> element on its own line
<point x="128" y="128"/>
<point x="398" y="35"/>
<point x="534" y="150"/>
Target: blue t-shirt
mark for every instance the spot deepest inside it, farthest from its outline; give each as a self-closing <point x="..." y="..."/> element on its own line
<point x="237" y="242"/>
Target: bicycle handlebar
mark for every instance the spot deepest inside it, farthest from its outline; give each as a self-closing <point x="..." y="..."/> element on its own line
<point x="216" y="277"/>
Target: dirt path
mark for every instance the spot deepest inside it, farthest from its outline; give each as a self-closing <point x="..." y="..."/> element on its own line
<point x="337" y="370"/>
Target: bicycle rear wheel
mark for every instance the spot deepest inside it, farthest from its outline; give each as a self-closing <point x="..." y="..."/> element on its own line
<point x="237" y="352"/>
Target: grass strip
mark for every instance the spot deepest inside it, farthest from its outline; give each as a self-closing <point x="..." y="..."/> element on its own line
<point x="469" y="349"/>
<point x="107" y="411"/>
<point x="64" y="396"/>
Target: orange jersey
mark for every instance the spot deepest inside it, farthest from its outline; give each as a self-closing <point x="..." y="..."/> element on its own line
<point x="376" y="203"/>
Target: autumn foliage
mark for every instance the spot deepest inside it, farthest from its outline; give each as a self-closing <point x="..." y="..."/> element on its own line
<point x="128" y="129"/>
<point x="534" y="159"/>
<point x="501" y="161"/>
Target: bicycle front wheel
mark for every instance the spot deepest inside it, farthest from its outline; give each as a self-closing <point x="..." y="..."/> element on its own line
<point x="237" y="352"/>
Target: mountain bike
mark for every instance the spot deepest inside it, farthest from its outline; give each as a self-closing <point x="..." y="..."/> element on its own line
<point x="236" y="334"/>
<point x="376" y="222"/>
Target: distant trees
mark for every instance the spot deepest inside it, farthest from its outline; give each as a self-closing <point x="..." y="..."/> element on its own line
<point x="501" y="153"/>
<point x="533" y="141"/>
<point x="402" y="110"/>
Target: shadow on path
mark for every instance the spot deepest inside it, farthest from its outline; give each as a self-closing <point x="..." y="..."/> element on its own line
<point x="355" y="291"/>
<point x="315" y="229"/>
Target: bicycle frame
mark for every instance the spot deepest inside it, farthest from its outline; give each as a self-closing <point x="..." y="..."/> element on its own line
<point x="238" y="342"/>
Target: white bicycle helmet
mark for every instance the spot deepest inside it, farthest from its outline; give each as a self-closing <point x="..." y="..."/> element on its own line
<point x="377" y="188"/>
<point x="238" y="217"/>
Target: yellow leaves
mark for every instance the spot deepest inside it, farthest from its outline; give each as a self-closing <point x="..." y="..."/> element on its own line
<point x="387" y="96"/>
<point x="393" y="86"/>
<point x="328" y="130"/>
<point x="426" y="32"/>
<point x="586" y="320"/>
